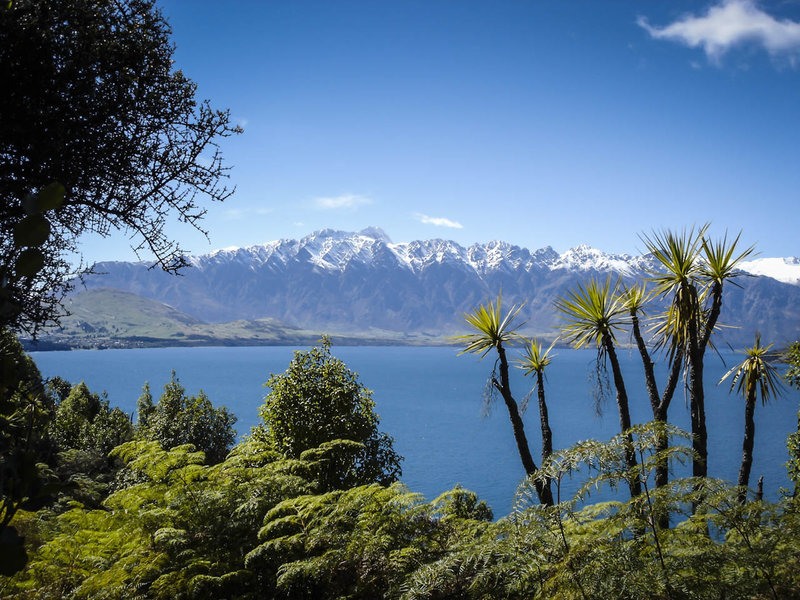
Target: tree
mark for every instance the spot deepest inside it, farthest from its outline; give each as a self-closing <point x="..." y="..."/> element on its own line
<point x="318" y="400"/>
<point x="492" y="331"/>
<point x="592" y="316"/>
<point x="753" y="376"/>
<point x="91" y="100"/>
<point x="535" y="361"/>
<point x="694" y="272"/>
<point x="792" y="376"/>
<point x="362" y="543"/>
<point x="24" y="412"/>
<point x="85" y="421"/>
<point x="635" y="298"/>
<point x="78" y="441"/>
<point x="179" y="419"/>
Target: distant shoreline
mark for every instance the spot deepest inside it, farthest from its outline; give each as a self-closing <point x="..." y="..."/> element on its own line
<point x="56" y="345"/>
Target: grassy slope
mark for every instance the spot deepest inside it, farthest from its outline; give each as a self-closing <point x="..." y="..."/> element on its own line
<point x="105" y="317"/>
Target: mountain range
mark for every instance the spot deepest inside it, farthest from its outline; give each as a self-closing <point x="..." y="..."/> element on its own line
<point x="363" y="283"/>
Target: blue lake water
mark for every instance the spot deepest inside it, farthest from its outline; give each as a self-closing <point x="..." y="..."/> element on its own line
<point x="430" y="400"/>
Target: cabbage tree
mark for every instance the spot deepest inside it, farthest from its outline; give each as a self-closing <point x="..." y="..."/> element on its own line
<point x="754" y="376"/>
<point x="693" y="271"/>
<point x="592" y="315"/>
<point x="493" y="330"/>
<point x="535" y="361"/>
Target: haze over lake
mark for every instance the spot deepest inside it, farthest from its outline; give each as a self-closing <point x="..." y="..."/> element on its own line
<point x="430" y="401"/>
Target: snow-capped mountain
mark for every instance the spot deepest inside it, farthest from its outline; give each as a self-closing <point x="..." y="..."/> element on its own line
<point x="344" y="281"/>
<point x="337" y="250"/>
<point x="786" y="270"/>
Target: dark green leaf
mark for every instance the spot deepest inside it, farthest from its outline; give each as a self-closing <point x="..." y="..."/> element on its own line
<point x="12" y="552"/>
<point x="31" y="231"/>
<point x="51" y="197"/>
<point x="30" y="262"/>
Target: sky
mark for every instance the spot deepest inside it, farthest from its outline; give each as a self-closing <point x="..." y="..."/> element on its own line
<point x="540" y="123"/>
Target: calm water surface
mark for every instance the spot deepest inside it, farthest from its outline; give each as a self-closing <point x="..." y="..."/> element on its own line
<point x="431" y="401"/>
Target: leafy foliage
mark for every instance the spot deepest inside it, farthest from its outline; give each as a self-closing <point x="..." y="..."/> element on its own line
<point x="260" y="525"/>
<point x="362" y="542"/>
<point x="792" y="358"/>
<point x="792" y="376"/>
<point x="613" y="550"/>
<point x="319" y="400"/>
<point x="23" y="264"/>
<point x="24" y="412"/>
<point x="84" y="421"/>
<point x="177" y="419"/>
<point x="92" y="100"/>
<point x="82" y="433"/>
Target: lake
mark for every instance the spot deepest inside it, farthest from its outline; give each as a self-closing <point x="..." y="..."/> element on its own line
<point x="431" y="401"/>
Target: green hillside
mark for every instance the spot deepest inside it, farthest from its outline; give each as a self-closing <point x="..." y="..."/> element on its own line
<point x="112" y="318"/>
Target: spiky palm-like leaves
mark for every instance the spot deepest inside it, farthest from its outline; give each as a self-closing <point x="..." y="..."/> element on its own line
<point x="592" y="315"/>
<point x="720" y="260"/>
<point x="679" y="328"/>
<point x="719" y="263"/>
<point x="491" y="329"/>
<point x="754" y="376"/>
<point x="678" y="257"/>
<point x="693" y="272"/>
<point x="535" y="361"/>
<point x="635" y="297"/>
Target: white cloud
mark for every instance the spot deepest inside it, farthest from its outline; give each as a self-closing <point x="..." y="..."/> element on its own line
<point x="346" y="201"/>
<point x="731" y="23"/>
<point x="242" y="213"/>
<point x="438" y="221"/>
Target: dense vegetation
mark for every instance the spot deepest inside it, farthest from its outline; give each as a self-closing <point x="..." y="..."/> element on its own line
<point x="295" y="510"/>
<point x="95" y="504"/>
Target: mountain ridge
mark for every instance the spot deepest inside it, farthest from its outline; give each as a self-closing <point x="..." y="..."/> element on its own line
<point x="355" y="281"/>
<point x="325" y="244"/>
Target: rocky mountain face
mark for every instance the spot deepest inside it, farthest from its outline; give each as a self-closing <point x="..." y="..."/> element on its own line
<point x="339" y="281"/>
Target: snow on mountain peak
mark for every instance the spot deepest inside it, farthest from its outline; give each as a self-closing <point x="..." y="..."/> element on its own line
<point x="786" y="270"/>
<point x="546" y="256"/>
<point x="376" y="233"/>
<point x="585" y="258"/>
<point x="334" y="250"/>
<point x="419" y="254"/>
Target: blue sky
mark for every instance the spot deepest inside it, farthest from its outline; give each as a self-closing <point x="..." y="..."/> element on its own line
<point x="539" y="123"/>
